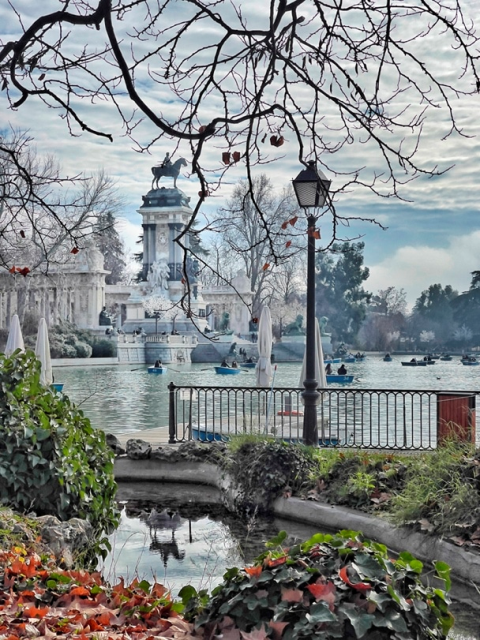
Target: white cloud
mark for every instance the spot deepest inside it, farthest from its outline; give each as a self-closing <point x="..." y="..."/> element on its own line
<point x="416" y="268"/>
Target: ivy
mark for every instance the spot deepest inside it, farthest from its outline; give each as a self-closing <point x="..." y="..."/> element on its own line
<point x="52" y="461"/>
<point x="331" y="586"/>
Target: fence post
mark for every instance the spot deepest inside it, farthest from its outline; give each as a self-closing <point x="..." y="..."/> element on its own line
<point x="172" y="420"/>
<point x="456" y="416"/>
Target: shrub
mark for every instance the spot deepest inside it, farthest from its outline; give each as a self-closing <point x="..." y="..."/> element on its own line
<point x="332" y="586"/>
<point x="104" y="349"/>
<point x="51" y="459"/>
<point x="83" y="350"/>
<point x="263" y="467"/>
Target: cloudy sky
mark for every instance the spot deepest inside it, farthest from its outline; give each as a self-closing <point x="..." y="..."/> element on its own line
<point x="433" y="236"/>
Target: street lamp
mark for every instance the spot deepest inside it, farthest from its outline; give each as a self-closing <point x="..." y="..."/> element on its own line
<point x="311" y="188"/>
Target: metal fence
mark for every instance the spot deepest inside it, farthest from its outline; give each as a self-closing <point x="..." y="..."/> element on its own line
<point x="373" y="419"/>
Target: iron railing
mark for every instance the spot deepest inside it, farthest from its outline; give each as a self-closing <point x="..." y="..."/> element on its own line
<point x="366" y="418"/>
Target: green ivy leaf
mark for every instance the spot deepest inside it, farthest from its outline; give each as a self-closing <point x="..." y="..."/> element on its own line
<point x="277" y="540"/>
<point x="361" y="621"/>
<point x="186" y="593"/>
<point x="443" y="571"/>
<point x="319" y="612"/>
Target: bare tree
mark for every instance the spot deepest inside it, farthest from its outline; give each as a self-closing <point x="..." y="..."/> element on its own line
<point x="239" y="225"/>
<point x="43" y="216"/>
<point x="239" y="84"/>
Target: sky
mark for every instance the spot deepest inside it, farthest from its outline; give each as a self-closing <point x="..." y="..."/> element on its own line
<point x="433" y="236"/>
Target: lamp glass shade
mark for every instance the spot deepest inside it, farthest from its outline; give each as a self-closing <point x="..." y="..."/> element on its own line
<point x="311" y="187"/>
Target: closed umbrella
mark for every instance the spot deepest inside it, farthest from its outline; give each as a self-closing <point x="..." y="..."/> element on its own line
<point x="320" y="375"/>
<point x="264" y="365"/>
<point x="15" y="338"/>
<point x="42" y="351"/>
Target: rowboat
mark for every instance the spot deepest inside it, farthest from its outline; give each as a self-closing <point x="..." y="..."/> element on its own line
<point x="470" y="363"/>
<point x="387" y="358"/>
<point x="340" y="379"/>
<point x="332" y="360"/>
<point x="417" y="363"/>
<point x="248" y="365"/>
<point x="58" y="386"/>
<point x="204" y="433"/>
<point x="446" y="358"/>
<point x="157" y="370"/>
<point x="349" y="359"/>
<point x="227" y="371"/>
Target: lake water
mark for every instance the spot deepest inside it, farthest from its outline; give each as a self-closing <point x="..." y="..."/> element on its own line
<point x="125" y="399"/>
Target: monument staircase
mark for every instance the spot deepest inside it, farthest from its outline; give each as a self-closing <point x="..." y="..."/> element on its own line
<point x="131" y="352"/>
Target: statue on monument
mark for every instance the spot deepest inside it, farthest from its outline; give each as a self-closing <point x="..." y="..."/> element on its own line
<point x="159" y="274"/>
<point x="104" y="319"/>
<point x="167" y="169"/>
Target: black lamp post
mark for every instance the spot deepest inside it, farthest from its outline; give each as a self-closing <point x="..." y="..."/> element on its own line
<point x="311" y="188"/>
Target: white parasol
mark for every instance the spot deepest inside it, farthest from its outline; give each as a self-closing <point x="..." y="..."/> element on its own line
<point x="15" y="338"/>
<point x="42" y="351"/>
<point x="264" y="365"/>
<point x="320" y="375"/>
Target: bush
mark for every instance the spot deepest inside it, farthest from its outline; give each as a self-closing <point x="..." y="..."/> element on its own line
<point x="51" y="459"/>
<point x="264" y="467"/>
<point x="332" y="586"/>
<point x="83" y="350"/>
<point x="104" y="349"/>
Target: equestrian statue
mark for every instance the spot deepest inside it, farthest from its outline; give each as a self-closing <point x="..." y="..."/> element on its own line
<point x="169" y="169"/>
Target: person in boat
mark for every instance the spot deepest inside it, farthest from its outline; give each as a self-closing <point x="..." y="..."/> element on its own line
<point x="234" y="364"/>
<point x="225" y="364"/>
<point x="328" y="369"/>
<point x="413" y="360"/>
<point x="342" y="370"/>
<point x="250" y="360"/>
<point x="387" y="355"/>
<point x="158" y="364"/>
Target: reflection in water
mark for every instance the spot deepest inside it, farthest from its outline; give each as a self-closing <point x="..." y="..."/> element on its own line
<point x="158" y="523"/>
<point x="181" y="544"/>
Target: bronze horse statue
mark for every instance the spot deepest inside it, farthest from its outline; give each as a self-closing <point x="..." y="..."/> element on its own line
<point x="171" y="171"/>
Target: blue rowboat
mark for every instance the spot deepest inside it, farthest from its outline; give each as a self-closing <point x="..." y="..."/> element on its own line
<point x="470" y="363"/>
<point x="248" y="365"/>
<point x="202" y="434"/>
<point x="58" y="386"/>
<point x="157" y="370"/>
<point x="349" y="359"/>
<point x="227" y="370"/>
<point x="387" y="358"/>
<point x="341" y="379"/>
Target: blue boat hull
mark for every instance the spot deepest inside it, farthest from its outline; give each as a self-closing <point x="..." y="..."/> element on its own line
<point x="389" y="359"/>
<point x="350" y="359"/>
<point x="157" y="370"/>
<point x="342" y="379"/>
<point x="470" y="364"/>
<point x="248" y="365"/>
<point x="209" y="436"/>
<point x="58" y="386"/>
<point x="227" y="371"/>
